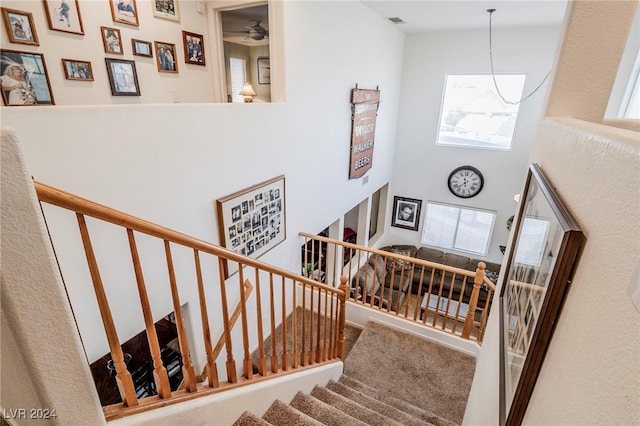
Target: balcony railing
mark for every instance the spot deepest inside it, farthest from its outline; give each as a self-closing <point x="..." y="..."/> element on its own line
<point x="276" y="294"/>
<point x="449" y="299"/>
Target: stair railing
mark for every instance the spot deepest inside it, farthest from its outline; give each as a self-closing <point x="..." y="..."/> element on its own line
<point x="449" y="299"/>
<point x="327" y="304"/>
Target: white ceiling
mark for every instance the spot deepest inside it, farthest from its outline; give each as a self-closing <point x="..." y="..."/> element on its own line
<point x="443" y="15"/>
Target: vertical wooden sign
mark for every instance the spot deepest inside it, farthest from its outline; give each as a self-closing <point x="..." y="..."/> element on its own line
<point x="364" y="110"/>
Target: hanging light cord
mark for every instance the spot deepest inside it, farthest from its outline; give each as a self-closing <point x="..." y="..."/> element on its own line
<point x="493" y="74"/>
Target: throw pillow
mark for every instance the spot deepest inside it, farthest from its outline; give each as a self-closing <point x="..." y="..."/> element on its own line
<point x="398" y="264"/>
<point x="493" y="276"/>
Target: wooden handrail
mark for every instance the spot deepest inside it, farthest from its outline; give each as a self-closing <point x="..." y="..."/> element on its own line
<point x="57" y="197"/>
<point x="448" y="314"/>
<point x="318" y="348"/>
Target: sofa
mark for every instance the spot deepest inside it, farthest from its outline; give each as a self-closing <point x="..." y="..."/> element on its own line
<point x="405" y="276"/>
<point x="375" y="279"/>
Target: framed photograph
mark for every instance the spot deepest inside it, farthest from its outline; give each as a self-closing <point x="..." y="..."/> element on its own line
<point x="122" y="77"/>
<point x="64" y="15"/>
<point x="166" y="57"/>
<point x="124" y="11"/>
<point x="543" y="254"/>
<point x="406" y="213"/>
<point x="112" y="40"/>
<point x="193" y="48"/>
<point x="252" y="221"/>
<point x="264" y="71"/>
<point x="142" y="48"/>
<point x="24" y="79"/>
<point x="77" y="70"/>
<point x="166" y="9"/>
<point x="20" y="26"/>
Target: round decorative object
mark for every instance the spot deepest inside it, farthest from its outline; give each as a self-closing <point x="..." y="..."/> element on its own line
<point x="465" y="181"/>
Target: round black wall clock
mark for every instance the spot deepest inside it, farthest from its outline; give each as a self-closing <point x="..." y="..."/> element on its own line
<point x="465" y="181"/>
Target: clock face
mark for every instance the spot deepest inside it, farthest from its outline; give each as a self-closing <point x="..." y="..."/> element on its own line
<point x="466" y="181"/>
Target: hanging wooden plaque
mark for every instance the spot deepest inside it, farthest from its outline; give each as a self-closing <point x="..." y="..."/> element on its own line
<point x="364" y="110"/>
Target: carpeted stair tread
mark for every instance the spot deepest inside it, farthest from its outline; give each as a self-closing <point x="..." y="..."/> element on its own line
<point x="352" y="408"/>
<point x="282" y="414"/>
<point x="376" y="405"/>
<point x="400" y="404"/>
<point x="250" y="419"/>
<point x="322" y="412"/>
<point x="424" y="373"/>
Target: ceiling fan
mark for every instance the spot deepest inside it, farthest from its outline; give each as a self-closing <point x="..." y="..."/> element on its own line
<point x="255" y="31"/>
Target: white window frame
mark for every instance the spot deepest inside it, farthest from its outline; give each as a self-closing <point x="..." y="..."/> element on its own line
<point x="453" y="246"/>
<point x="479" y="118"/>
<point x="237" y="84"/>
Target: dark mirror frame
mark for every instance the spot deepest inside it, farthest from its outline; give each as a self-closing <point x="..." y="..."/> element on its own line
<point x="556" y="279"/>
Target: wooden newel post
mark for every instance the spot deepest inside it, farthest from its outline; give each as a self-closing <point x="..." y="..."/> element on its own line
<point x="473" y="302"/>
<point x="342" y="317"/>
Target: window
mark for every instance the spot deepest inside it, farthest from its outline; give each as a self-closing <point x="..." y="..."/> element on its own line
<point x="458" y="228"/>
<point x="238" y="70"/>
<point x="532" y="241"/>
<point x="475" y="115"/>
<point x="631" y="103"/>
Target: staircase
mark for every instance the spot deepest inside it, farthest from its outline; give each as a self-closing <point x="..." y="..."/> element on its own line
<point x="345" y="402"/>
<point x="353" y="400"/>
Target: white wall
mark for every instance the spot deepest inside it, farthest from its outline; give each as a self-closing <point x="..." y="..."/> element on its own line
<point x="591" y="372"/>
<point x="193" y="83"/>
<point x="169" y="162"/>
<point x="420" y="167"/>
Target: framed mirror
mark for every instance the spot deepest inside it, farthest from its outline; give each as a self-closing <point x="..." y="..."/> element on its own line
<point x="541" y="260"/>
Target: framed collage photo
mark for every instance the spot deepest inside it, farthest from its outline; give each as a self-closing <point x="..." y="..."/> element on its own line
<point x="540" y="263"/>
<point x="112" y="40"/>
<point x="166" y="9"/>
<point x="25" y="75"/>
<point x="406" y="213"/>
<point x="77" y="70"/>
<point x="124" y="11"/>
<point x="122" y="77"/>
<point x="20" y="26"/>
<point x="252" y="221"/>
<point x="193" y="48"/>
<point x="64" y="15"/>
<point x="142" y="48"/>
<point x="166" y="57"/>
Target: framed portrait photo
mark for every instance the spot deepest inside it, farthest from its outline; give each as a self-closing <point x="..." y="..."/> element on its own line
<point x="264" y="71"/>
<point x="252" y="221"/>
<point x="77" y="70"/>
<point x="540" y="263"/>
<point x="20" y="26"/>
<point x="166" y="9"/>
<point x="166" y="57"/>
<point x="142" y="48"/>
<point x="24" y="79"/>
<point x="64" y="15"/>
<point x="406" y="213"/>
<point x="122" y="77"/>
<point x="193" y="48"/>
<point x="124" y="11"/>
<point x="112" y="40"/>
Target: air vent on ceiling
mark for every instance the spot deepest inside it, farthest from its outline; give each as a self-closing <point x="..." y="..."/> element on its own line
<point x="396" y="20"/>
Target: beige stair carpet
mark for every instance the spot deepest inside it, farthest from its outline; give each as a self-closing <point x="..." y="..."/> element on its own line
<point x="425" y="374"/>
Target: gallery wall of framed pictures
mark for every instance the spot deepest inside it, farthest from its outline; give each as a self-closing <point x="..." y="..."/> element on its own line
<point x="87" y="42"/>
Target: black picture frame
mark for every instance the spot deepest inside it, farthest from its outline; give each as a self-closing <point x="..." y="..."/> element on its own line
<point x="123" y="77"/>
<point x="541" y="259"/>
<point x="142" y="48"/>
<point x="264" y="70"/>
<point x="406" y="213"/>
<point x="32" y="70"/>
